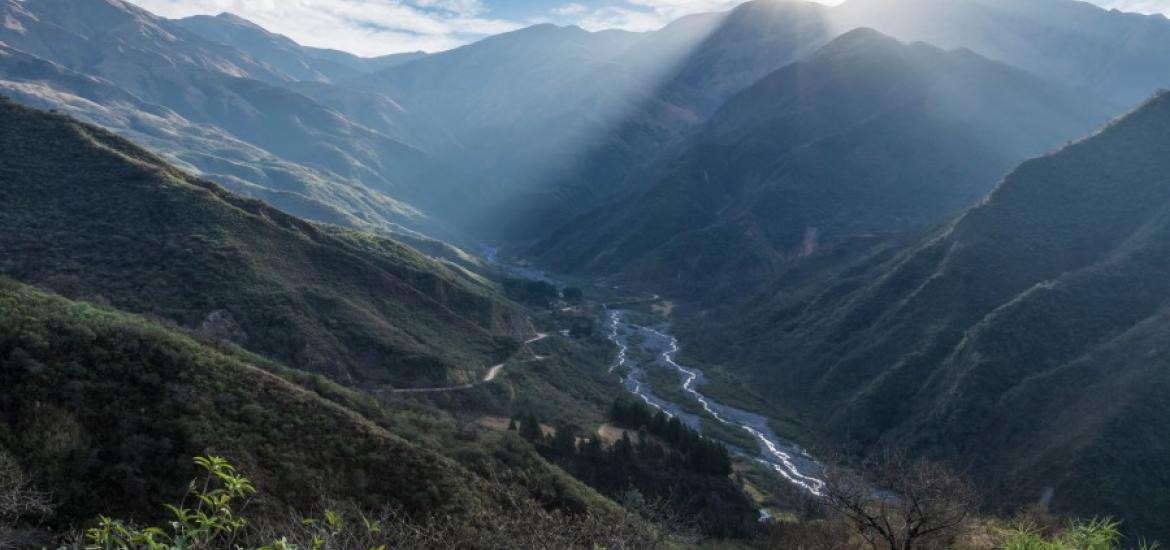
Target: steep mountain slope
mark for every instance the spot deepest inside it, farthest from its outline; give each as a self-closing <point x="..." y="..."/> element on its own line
<point x="261" y="138"/>
<point x="866" y="136"/>
<point x="108" y="409"/>
<point x="1025" y="339"/>
<point x="90" y="215"/>
<point x="112" y="408"/>
<point x="1123" y="57"/>
<point x="301" y="190"/>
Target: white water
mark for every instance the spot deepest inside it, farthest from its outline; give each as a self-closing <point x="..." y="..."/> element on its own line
<point x="785" y="458"/>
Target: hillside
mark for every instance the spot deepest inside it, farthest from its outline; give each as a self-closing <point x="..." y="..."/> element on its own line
<point x="90" y="215"/>
<point x="219" y="110"/>
<point x="107" y="410"/>
<point x="866" y="136"/>
<point x="1023" y="340"/>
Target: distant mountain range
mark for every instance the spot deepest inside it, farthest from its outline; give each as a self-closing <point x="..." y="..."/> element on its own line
<point x="505" y="139"/>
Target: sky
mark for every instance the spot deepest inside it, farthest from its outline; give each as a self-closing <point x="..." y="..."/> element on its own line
<point x="376" y="27"/>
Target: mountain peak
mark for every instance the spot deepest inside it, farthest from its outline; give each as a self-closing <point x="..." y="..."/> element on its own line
<point x="234" y="19"/>
<point x="860" y="40"/>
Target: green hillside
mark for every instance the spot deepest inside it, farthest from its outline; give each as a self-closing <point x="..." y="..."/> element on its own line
<point x="107" y="410"/>
<point x="91" y="216"/>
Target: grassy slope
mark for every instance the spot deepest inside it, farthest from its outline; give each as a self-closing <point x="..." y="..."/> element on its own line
<point x="110" y="407"/>
<point x="90" y="215"/>
<point x="107" y="408"/>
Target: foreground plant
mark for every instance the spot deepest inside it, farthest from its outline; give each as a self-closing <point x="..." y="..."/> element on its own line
<point x="209" y="522"/>
<point x="208" y="518"/>
<point x="1096" y="534"/>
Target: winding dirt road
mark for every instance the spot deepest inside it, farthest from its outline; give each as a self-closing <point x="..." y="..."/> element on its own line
<point x="492" y="373"/>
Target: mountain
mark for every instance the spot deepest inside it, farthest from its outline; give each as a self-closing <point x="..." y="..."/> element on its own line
<point x="554" y="120"/>
<point x="521" y="112"/>
<point x="1024" y="340"/>
<point x="119" y="39"/>
<point x="1120" y="56"/>
<point x="218" y="110"/>
<point x="728" y="52"/>
<point x="301" y="63"/>
<point x="90" y="215"/>
<point x="866" y="136"/>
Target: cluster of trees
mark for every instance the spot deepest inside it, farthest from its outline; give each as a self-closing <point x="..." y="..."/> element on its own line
<point x="666" y="465"/>
<point x="701" y="454"/>
<point x="530" y="292"/>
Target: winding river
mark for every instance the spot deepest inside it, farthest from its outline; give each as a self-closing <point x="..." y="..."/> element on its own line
<point x="784" y="457"/>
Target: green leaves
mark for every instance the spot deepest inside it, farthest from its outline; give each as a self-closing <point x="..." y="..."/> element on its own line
<point x="1094" y="534"/>
<point x="207" y="525"/>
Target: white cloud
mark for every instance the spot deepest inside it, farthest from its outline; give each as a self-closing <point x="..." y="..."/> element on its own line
<point x="364" y="27"/>
<point x="1138" y="6"/>
<point x="572" y="9"/>
<point x="644" y="15"/>
<point x="373" y="27"/>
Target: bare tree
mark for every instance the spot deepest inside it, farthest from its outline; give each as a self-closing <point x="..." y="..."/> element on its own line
<point x="903" y="504"/>
<point x="19" y="500"/>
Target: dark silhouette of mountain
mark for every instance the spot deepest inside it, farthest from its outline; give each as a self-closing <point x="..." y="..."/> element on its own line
<point x="1025" y="339"/>
<point x="867" y="136"/>
<point x="90" y="215"/>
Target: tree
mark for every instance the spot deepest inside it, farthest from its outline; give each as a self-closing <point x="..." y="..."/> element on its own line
<point x="573" y="295"/>
<point x="18" y="500"/>
<point x="903" y="504"/>
<point x="564" y="442"/>
<point x="530" y="427"/>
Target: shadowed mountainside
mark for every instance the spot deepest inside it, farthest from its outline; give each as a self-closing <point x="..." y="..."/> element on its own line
<point x="1025" y="339"/>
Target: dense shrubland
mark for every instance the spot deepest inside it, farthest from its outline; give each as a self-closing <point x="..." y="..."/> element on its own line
<point x="667" y="464"/>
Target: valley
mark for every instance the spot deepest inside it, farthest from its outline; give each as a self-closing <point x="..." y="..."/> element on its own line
<point x="760" y="274"/>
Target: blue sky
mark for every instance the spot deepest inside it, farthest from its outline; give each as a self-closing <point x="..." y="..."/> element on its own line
<point x="375" y="27"/>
